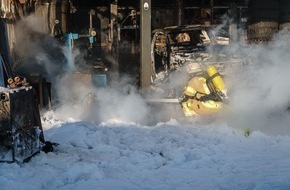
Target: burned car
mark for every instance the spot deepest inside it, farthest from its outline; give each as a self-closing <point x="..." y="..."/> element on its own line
<point x="174" y="49"/>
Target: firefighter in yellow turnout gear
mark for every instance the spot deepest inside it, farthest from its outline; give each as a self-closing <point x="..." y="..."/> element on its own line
<point x="205" y="93"/>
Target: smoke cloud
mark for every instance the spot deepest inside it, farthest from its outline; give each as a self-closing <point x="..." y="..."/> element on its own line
<point x="258" y="90"/>
<point x="36" y="51"/>
<point x="258" y="87"/>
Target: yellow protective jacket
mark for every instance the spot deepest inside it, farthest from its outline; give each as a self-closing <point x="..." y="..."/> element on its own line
<point x="200" y="94"/>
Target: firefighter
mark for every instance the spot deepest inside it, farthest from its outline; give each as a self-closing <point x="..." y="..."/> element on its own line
<point x="205" y="93"/>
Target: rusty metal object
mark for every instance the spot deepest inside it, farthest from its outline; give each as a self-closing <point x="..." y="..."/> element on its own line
<point x="14" y="10"/>
<point x="59" y="10"/>
<point x="42" y="89"/>
<point x="20" y="126"/>
<point x="6" y="11"/>
<point x="64" y="15"/>
<point x="42" y="12"/>
<point x="17" y="81"/>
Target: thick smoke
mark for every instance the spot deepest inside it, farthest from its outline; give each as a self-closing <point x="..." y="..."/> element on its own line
<point x="258" y="90"/>
<point x="36" y="51"/>
<point x="73" y="93"/>
<point x="258" y="87"/>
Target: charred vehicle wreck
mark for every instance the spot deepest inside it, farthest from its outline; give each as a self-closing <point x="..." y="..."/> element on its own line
<point x="188" y="67"/>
